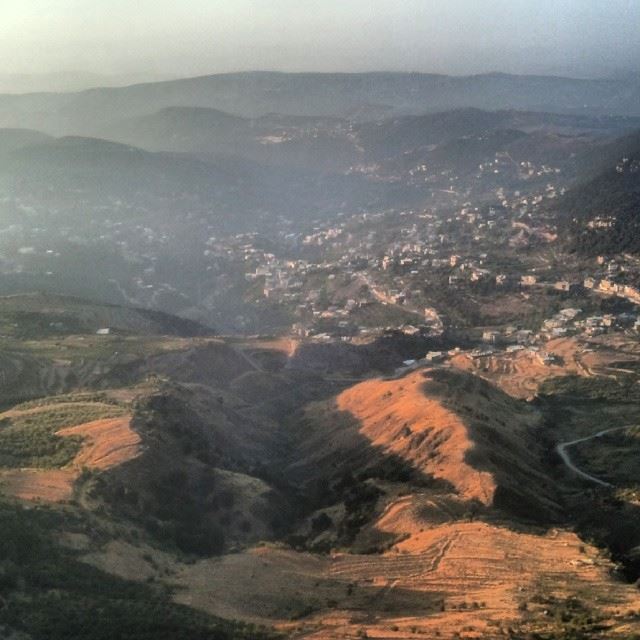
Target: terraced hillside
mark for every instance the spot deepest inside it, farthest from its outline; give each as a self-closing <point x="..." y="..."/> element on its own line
<point x="521" y="374"/>
<point x="397" y="552"/>
<point x="210" y="478"/>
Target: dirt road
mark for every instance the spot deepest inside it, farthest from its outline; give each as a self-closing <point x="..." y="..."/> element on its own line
<point x="562" y="452"/>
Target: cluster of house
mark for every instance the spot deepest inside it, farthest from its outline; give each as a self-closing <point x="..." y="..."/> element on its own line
<point x="562" y="324"/>
<point x="525" y="170"/>
<point x="627" y="165"/>
<point x="610" y="287"/>
<point x="431" y="357"/>
<point x="398" y="267"/>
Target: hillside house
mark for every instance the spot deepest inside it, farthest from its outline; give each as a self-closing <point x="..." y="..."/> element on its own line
<point x="608" y="286"/>
<point x="491" y="337"/>
<point x="590" y="283"/>
<point x="563" y="285"/>
<point x="524" y="336"/>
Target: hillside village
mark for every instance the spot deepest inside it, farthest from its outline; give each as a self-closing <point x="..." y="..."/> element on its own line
<point x="364" y="275"/>
<point x="360" y="272"/>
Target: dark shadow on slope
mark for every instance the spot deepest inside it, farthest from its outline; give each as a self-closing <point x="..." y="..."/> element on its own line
<point x="342" y="479"/>
<point x="197" y="486"/>
<point x="512" y="451"/>
<point x="383" y="355"/>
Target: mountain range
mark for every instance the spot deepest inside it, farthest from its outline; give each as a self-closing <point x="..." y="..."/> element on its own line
<point x="255" y="94"/>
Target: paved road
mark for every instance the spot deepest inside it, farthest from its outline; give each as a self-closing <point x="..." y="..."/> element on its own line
<point x="562" y="452"/>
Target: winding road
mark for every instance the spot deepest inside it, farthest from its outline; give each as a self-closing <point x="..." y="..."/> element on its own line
<point x="562" y="452"/>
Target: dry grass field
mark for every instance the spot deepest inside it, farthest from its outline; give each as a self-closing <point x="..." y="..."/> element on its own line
<point x="459" y="580"/>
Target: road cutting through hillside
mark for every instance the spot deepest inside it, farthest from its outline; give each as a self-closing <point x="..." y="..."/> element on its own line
<point x="562" y="452"/>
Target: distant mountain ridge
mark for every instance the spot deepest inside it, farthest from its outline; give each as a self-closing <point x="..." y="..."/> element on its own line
<point x="14" y="139"/>
<point x="333" y="143"/>
<point x="73" y="80"/>
<point x="253" y="94"/>
<point x="183" y="161"/>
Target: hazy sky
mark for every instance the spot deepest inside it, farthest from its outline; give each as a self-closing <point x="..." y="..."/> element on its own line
<point x="181" y="37"/>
